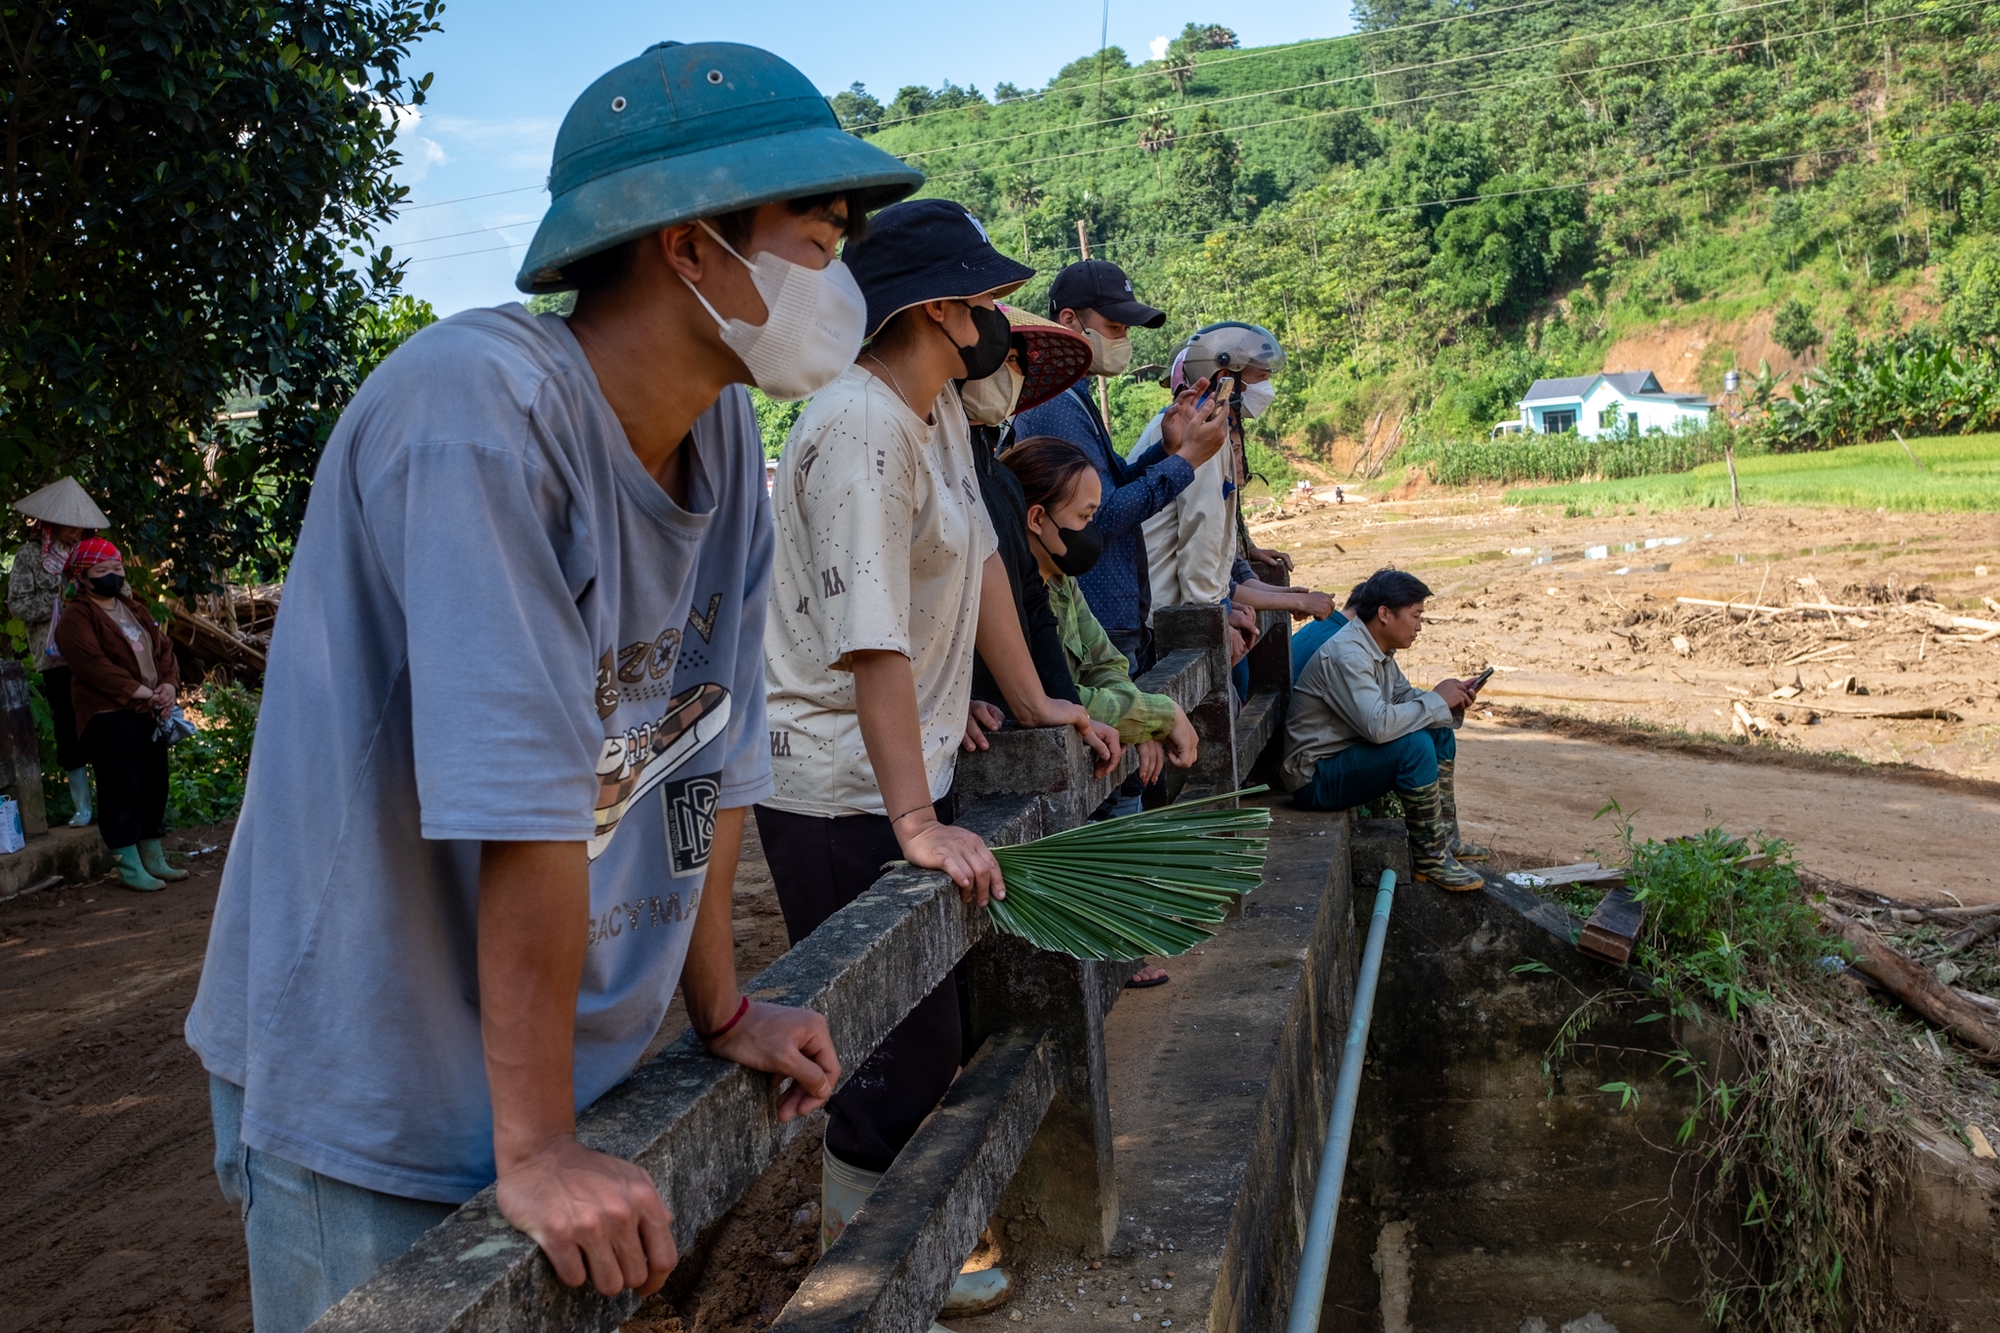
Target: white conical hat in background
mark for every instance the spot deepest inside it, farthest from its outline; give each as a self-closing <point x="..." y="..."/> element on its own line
<point x="66" y="503"/>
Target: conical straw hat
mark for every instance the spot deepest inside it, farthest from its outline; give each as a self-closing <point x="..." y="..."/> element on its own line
<point x="66" y="503"/>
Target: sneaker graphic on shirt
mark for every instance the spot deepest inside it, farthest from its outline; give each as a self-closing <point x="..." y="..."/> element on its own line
<point x="638" y="759"/>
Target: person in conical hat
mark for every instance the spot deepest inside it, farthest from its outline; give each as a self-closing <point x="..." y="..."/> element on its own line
<point x="59" y="516"/>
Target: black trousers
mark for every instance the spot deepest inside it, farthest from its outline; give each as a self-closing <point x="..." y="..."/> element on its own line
<point x="131" y="777"/>
<point x="819" y="866"/>
<point x="62" y="710"/>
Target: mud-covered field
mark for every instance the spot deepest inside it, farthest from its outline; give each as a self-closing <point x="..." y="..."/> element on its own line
<point x="1582" y="615"/>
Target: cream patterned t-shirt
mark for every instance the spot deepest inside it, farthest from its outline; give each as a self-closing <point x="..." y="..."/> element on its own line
<point x="881" y="540"/>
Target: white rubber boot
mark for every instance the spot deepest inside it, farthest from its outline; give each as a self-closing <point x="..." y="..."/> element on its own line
<point x="79" y="793"/>
<point x="844" y="1188"/>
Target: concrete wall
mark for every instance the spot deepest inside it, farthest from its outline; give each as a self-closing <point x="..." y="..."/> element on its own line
<point x="1260" y="1260"/>
<point x="1475" y="1198"/>
<point x="1483" y="1195"/>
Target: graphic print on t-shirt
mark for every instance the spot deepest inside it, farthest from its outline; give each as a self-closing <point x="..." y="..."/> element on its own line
<point x="638" y="759"/>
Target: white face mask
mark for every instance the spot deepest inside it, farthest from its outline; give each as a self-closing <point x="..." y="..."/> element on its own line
<point x="1257" y="397"/>
<point x="816" y="318"/>
<point x="1109" y="356"/>
<point x="990" y="401"/>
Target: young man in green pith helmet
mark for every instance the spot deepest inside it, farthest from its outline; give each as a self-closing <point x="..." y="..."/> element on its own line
<point x="487" y="836"/>
<point x="1358" y="729"/>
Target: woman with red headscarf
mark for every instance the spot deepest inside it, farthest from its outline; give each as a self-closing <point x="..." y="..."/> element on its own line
<point x="123" y="680"/>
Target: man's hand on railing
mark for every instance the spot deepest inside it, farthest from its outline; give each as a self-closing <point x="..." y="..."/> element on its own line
<point x="980" y="719"/>
<point x="1182" y="743"/>
<point x="1318" y="605"/>
<point x="785" y="1043"/>
<point x="958" y="852"/>
<point x="597" y="1218"/>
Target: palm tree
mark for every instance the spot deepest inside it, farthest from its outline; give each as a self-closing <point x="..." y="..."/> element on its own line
<point x="1179" y="70"/>
<point x="1155" y="136"/>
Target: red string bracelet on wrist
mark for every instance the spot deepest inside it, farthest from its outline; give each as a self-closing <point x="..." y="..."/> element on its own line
<point x="710" y="1038"/>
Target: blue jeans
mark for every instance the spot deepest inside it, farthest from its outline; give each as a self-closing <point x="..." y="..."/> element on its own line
<point x="1362" y="772"/>
<point x="312" y="1238"/>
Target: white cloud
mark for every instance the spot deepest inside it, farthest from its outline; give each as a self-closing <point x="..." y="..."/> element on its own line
<point x="518" y="143"/>
<point x="1158" y="46"/>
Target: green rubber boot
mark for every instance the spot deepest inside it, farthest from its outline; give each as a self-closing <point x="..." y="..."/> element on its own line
<point x="1430" y="841"/>
<point x="844" y="1188"/>
<point x="132" y="872"/>
<point x="1460" y="848"/>
<point x="154" y="858"/>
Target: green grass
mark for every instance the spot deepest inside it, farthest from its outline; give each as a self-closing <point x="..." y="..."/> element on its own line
<point x="1960" y="473"/>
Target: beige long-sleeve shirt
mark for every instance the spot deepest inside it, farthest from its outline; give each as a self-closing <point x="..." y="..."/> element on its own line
<point x="1352" y="692"/>
<point x="1191" y="543"/>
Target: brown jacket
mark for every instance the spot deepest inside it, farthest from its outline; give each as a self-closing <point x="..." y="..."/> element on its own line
<point x="103" y="669"/>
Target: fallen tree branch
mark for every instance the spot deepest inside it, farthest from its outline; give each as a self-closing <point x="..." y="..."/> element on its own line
<point x="1912" y="983"/>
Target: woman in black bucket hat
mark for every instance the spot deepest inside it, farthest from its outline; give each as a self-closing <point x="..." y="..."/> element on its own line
<point x="884" y="580"/>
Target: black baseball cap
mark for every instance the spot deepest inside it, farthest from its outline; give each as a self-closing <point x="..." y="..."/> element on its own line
<point x="927" y="250"/>
<point x="1100" y="285"/>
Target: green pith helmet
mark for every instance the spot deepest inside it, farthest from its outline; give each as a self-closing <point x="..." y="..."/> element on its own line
<point x="690" y="131"/>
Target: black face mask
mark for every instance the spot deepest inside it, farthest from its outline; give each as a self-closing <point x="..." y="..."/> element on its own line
<point x="996" y="336"/>
<point x="107" y="585"/>
<point x="1081" y="549"/>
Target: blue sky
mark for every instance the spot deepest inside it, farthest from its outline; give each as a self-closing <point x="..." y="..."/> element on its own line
<point x="507" y="70"/>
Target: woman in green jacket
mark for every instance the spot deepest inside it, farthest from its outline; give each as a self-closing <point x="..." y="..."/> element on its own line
<point x="1063" y="491"/>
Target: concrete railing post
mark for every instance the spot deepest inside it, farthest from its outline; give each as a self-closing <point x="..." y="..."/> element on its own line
<point x="1064" y="1195"/>
<point x="1203" y="629"/>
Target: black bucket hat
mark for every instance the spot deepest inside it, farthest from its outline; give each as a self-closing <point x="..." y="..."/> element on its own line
<point x="927" y="250"/>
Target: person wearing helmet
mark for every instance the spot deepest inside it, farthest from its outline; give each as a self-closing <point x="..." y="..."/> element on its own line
<point x="1195" y="546"/>
<point x="514" y="709"/>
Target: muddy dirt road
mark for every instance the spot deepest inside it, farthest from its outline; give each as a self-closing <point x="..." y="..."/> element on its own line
<point x="1535" y="791"/>
<point x="1581" y="615"/>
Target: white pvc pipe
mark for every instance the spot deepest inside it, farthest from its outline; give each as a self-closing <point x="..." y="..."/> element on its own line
<point x="1310" y="1292"/>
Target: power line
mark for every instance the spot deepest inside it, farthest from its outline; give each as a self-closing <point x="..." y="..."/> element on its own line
<point x="1346" y="78"/>
<point x="1034" y="96"/>
<point x="457" y="235"/>
<point x="460" y="254"/>
<point x="1040" y="93"/>
<point x="1462" y="92"/>
<point x="468" y="198"/>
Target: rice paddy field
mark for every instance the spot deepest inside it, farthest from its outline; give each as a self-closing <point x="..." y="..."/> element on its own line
<point x="1958" y="474"/>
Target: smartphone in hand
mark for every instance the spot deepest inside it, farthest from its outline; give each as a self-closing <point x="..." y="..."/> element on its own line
<point x="1478" y="682"/>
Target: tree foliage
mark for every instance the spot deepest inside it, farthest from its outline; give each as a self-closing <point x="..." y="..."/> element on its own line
<point x="1687" y="163"/>
<point x="187" y="196"/>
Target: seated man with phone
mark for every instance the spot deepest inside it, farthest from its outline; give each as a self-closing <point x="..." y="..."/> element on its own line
<point x="1358" y="729"/>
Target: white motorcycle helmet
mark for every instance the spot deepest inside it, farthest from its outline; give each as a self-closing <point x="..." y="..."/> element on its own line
<point x="1231" y="347"/>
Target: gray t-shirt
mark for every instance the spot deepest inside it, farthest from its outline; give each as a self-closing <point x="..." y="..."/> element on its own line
<point x="498" y="627"/>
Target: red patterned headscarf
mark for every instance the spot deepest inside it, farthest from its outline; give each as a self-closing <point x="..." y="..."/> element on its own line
<point x="91" y="551"/>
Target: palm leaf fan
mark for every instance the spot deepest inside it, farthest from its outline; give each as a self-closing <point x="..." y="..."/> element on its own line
<point x="1140" y="884"/>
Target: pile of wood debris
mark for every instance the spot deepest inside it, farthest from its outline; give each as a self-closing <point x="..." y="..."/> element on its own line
<point x="1894" y="625"/>
<point x="1920" y="954"/>
<point x="230" y="629"/>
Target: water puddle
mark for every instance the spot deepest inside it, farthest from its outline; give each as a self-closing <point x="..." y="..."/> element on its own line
<point x="1605" y="552"/>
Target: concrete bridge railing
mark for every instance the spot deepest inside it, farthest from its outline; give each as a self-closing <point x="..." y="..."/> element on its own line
<point x="1025" y="1131"/>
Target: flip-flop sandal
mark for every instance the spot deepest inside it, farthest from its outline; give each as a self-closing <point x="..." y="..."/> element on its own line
<point x="1136" y="984"/>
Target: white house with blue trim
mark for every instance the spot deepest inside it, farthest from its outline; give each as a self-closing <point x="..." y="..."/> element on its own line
<point x="1629" y="402"/>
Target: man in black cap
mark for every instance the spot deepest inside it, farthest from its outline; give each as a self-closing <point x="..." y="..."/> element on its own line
<point x="1095" y="298"/>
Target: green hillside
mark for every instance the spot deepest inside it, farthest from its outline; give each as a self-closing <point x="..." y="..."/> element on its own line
<point x="1453" y="202"/>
